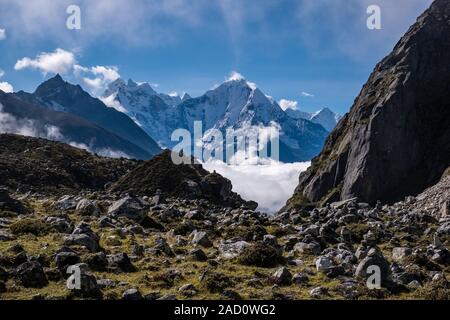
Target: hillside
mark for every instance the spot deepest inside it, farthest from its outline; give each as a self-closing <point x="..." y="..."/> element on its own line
<point x="44" y="166"/>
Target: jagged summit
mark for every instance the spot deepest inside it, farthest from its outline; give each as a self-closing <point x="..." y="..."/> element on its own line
<point x="236" y="103"/>
<point x="396" y="139"/>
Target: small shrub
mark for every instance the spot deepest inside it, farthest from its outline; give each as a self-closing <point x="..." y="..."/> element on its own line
<point x="216" y="282"/>
<point x="435" y="290"/>
<point x="261" y="255"/>
<point x="29" y="226"/>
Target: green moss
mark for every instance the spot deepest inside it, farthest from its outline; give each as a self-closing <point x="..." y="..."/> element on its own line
<point x="216" y="282"/>
<point x="29" y="226"/>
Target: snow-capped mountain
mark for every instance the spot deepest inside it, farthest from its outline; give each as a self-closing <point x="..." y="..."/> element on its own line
<point x="325" y="117"/>
<point x="61" y="96"/>
<point x="235" y="104"/>
<point x="154" y="112"/>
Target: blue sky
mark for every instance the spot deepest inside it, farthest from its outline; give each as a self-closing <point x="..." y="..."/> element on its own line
<point x="320" y="47"/>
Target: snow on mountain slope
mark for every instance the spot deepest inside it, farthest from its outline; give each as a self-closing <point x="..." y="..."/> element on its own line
<point x="325" y="117"/>
<point x="236" y="104"/>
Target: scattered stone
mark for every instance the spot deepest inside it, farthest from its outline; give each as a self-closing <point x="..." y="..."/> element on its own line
<point x="188" y="290"/>
<point x="201" y="238"/>
<point x="87" y="207"/>
<point x="106" y="283"/>
<point x="65" y="259"/>
<point x="323" y="263"/>
<point x="97" y="262"/>
<point x="9" y="204"/>
<point x="130" y="207"/>
<point x="6" y="236"/>
<point x="133" y="295"/>
<point x="300" y="278"/>
<point x="82" y="240"/>
<point x="318" y="292"/>
<point x="282" y="277"/>
<point x="400" y="253"/>
<point x="31" y="275"/>
<point x="120" y="262"/>
<point x="231" y="295"/>
<point x="230" y="250"/>
<point x="198" y="255"/>
<point x="307" y="248"/>
<point x="66" y="202"/>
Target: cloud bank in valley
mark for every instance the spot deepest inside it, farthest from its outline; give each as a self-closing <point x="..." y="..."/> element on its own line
<point x="270" y="184"/>
<point x="30" y="128"/>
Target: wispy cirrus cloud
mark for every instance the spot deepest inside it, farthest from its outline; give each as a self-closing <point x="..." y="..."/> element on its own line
<point x="345" y="26"/>
<point x="138" y="22"/>
<point x="2" y="34"/>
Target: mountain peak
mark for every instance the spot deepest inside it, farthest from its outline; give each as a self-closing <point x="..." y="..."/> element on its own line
<point x="52" y="84"/>
<point x="185" y="97"/>
<point x="238" y="79"/>
<point x="131" y="83"/>
<point x="56" y="80"/>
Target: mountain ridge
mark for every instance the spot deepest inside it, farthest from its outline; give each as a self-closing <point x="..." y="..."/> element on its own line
<point x="234" y="104"/>
<point x="59" y="95"/>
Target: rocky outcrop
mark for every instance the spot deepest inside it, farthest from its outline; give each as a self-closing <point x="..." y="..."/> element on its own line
<point x="189" y="181"/>
<point x="41" y="165"/>
<point x="395" y="141"/>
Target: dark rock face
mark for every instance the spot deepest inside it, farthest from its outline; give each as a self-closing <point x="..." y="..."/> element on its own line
<point x="395" y="141"/>
<point x="9" y="204"/>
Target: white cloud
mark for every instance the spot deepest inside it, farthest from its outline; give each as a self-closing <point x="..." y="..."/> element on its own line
<point x="6" y="87"/>
<point x="173" y="94"/>
<point x="111" y="102"/>
<point x="110" y="153"/>
<point x="288" y="104"/>
<point x="271" y="185"/>
<point x="29" y="128"/>
<point x="59" y="61"/>
<point x="96" y="78"/>
<point x="307" y="94"/>
<point x="95" y="84"/>
<point x="2" y="34"/>
<point x="235" y="76"/>
<point x="109" y="74"/>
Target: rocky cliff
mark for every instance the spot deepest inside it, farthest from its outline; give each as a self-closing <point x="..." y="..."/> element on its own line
<point x="395" y="141"/>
